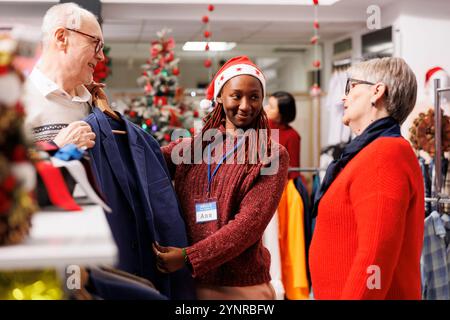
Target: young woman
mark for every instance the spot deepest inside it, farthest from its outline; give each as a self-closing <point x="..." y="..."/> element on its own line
<point x="227" y="206"/>
<point x="281" y="110"/>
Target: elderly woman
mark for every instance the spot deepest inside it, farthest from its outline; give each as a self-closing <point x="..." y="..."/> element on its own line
<point x="369" y="230"/>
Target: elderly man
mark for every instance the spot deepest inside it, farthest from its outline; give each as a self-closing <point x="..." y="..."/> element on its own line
<point x="56" y="98"/>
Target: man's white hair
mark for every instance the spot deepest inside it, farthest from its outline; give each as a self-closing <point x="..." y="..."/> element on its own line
<point x="66" y="15"/>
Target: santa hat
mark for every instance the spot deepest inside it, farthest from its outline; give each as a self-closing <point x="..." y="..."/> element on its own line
<point x="234" y="67"/>
<point x="436" y="72"/>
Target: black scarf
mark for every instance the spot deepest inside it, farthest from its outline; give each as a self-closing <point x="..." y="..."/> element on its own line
<point x="385" y="127"/>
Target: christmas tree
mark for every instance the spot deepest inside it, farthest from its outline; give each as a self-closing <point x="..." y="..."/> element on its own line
<point x="161" y="109"/>
<point x="16" y="171"/>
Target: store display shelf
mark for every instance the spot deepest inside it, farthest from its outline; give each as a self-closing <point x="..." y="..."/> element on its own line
<point x="61" y="238"/>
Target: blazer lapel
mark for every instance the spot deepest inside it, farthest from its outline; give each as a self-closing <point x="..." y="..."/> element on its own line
<point x="140" y="163"/>
<point x="112" y="154"/>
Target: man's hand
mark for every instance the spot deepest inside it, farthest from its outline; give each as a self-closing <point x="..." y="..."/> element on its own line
<point x="78" y="133"/>
<point x="168" y="259"/>
<point x="96" y="90"/>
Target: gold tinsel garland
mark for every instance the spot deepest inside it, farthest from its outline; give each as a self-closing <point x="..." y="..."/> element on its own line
<point x="423" y="133"/>
<point x="31" y="285"/>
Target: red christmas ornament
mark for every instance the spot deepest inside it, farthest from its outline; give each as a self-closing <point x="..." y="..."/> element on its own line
<point x="208" y="63"/>
<point x="175" y="71"/>
<point x="170" y="57"/>
<point x="316" y="2"/>
<point x="167" y="137"/>
<point x="132" y="114"/>
<point x="205" y="19"/>
<point x="148" y="88"/>
<point x="207" y="34"/>
<point x="20" y="110"/>
<point x="316" y="24"/>
<point x="314" y="39"/>
<point x="148" y="122"/>
<point x="192" y="130"/>
<point x="316" y="63"/>
<point x="9" y="183"/>
<point x="156" y="72"/>
<point x="207" y="47"/>
<point x="5" y="203"/>
<point x="211" y="8"/>
<point x="195" y="114"/>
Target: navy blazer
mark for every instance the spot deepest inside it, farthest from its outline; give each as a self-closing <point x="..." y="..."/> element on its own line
<point x="134" y="178"/>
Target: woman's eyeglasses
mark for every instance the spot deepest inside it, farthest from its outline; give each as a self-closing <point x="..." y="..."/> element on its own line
<point x="350" y="82"/>
<point x="99" y="43"/>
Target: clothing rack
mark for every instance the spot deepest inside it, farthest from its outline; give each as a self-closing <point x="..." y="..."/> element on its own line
<point x="438" y="197"/>
<point x="444" y="200"/>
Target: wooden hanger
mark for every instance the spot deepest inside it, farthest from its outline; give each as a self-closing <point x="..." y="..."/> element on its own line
<point x="100" y="101"/>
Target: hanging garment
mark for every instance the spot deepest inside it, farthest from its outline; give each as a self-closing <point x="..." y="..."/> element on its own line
<point x="292" y="244"/>
<point x="307" y="220"/>
<point x="106" y="284"/>
<point x="133" y="176"/>
<point x="426" y="184"/>
<point x="271" y="242"/>
<point x="435" y="259"/>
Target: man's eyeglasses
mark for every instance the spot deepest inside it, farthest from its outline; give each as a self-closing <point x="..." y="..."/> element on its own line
<point x="99" y="43"/>
<point x="351" y="81"/>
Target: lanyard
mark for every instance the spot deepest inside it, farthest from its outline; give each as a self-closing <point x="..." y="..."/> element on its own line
<point x="211" y="176"/>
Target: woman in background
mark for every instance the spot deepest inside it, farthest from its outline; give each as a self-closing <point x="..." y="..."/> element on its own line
<point x="281" y="111"/>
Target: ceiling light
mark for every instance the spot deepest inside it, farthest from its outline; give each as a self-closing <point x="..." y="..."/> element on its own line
<point x="243" y="2"/>
<point x="213" y="46"/>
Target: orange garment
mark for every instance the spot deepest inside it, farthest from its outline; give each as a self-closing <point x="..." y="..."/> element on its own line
<point x="292" y="243"/>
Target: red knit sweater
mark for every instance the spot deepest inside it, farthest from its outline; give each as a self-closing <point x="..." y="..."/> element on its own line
<point x="372" y="215"/>
<point x="229" y="251"/>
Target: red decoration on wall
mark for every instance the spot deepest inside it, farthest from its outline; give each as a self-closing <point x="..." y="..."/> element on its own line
<point x="175" y="71"/>
<point x="316" y="24"/>
<point x="207" y="34"/>
<point x="211" y="8"/>
<point x="205" y="19"/>
<point x="316" y="2"/>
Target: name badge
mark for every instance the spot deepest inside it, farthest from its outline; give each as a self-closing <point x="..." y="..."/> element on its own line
<point x="205" y="212"/>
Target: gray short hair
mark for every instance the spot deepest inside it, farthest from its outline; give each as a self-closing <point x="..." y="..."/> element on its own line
<point x="67" y="15"/>
<point x="399" y="79"/>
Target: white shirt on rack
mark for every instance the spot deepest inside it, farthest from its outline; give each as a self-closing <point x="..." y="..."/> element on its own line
<point x="49" y="108"/>
<point x="337" y="131"/>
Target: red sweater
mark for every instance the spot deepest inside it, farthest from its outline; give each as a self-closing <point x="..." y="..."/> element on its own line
<point x="372" y="215"/>
<point x="291" y="140"/>
<point x="229" y="251"/>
